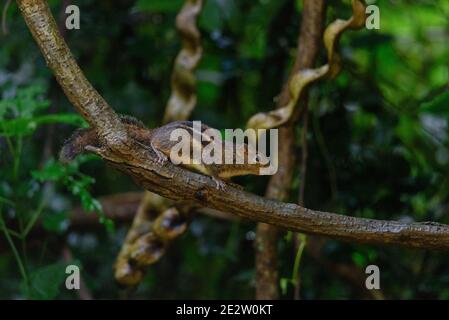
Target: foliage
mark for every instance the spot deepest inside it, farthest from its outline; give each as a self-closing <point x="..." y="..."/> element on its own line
<point x="22" y="199"/>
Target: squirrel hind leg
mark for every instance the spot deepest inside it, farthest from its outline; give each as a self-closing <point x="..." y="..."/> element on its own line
<point x="75" y="145"/>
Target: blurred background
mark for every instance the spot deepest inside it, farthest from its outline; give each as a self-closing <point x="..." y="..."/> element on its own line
<point x="378" y="146"/>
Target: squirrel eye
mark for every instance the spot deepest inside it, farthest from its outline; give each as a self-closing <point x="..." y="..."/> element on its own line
<point x="257" y="158"/>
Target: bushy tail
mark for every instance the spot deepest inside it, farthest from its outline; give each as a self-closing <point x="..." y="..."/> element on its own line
<point x="81" y="138"/>
<point x="75" y="145"/>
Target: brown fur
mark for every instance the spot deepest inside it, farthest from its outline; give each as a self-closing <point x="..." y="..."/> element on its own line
<point x="158" y="140"/>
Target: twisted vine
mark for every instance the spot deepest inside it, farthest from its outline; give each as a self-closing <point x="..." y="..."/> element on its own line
<point x="156" y="224"/>
<point x="183" y="97"/>
<point x="303" y="78"/>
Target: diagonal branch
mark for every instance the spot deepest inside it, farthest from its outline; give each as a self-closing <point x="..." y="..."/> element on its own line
<point x="178" y="184"/>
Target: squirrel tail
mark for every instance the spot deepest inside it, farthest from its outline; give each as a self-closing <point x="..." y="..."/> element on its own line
<point x="81" y="138"/>
<point x="75" y="145"/>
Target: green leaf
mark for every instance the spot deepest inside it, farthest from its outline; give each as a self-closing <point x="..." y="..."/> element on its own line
<point x="25" y="126"/>
<point x="438" y="105"/>
<point x="52" y="171"/>
<point x="359" y="259"/>
<point x="29" y="100"/>
<point x="45" y="282"/>
<point x="78" y="185"/>
<point x="109" y="224"/>
<point x="17" y="127"/>
<point x="67" y="118"/>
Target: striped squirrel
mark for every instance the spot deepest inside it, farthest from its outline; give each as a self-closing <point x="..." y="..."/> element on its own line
<point x="158" y="140"/>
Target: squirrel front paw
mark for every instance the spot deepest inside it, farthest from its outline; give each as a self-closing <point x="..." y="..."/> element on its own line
<point x="220" y="184"/>
<point x="160" y="157"/>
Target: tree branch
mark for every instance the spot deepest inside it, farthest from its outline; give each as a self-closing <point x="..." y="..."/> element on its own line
<point x="179" y="184"/>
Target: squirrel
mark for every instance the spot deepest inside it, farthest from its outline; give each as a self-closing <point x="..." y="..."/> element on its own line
<point x="158" y="140"/>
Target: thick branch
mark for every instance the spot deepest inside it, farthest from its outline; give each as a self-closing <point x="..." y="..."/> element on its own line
<point x="182" y="185"/>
